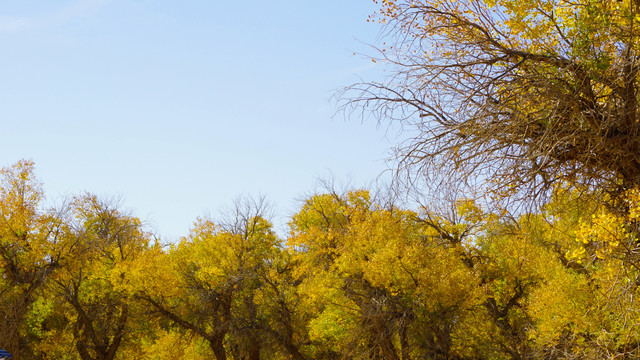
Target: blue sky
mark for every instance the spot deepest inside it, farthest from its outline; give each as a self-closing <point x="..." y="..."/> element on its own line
<point x="179" y="107"/>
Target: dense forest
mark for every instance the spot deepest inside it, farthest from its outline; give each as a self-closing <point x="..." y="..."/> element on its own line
<point x="524" y="158"/>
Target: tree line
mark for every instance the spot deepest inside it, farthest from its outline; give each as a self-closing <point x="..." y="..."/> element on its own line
<point x="357" y="277"/>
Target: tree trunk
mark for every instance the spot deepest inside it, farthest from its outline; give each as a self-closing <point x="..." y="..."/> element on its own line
<point x="10" y="328"/>
<point x="216" y="344"/>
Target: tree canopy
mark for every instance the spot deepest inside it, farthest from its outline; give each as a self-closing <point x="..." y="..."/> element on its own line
<point x="525" y="94"/>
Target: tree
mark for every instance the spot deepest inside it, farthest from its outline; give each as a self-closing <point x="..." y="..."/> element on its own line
<point x="32" y="247"/>
<point x="522" y="93"/>
<point x="207" y="284"/>
<point x="95" y="282"/>
<point x="378" y="283"/>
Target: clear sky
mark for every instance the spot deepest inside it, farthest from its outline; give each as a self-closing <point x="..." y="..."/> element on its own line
<point x="181" y="106"/>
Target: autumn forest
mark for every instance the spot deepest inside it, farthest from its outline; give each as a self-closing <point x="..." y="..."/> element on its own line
<point x="511" y="230"/>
